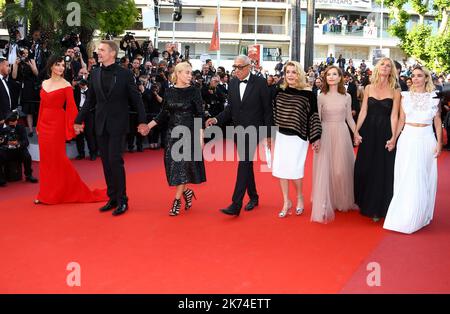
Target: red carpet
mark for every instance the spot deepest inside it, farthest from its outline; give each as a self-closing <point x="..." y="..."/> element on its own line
<point x="204" y="251"/>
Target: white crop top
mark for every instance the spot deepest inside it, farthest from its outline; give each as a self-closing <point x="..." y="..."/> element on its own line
<point x="420" y="107"/>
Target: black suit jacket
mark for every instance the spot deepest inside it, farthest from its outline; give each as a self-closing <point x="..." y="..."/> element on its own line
<point x="112" y="110"/>
<point x="352" y="90"/>
<point x="5" y="106"/>
<point x="255" y="109"/>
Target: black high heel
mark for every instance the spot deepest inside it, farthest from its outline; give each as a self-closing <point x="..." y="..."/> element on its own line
<point x="188" y="194"/>
<point x="175" y="210"/>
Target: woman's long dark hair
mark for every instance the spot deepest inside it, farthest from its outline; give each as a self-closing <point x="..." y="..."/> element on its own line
<point x="54" y="59"/>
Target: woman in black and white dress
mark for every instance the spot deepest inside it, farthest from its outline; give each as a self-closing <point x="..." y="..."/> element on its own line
<point x="415" y="174"/>
<point x="295" y="114"/>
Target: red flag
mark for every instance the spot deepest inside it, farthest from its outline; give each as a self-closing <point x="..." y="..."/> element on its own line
<point x="215" y="42"/>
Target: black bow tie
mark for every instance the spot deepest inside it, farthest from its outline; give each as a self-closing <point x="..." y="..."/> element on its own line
<point x="243" y="81"/>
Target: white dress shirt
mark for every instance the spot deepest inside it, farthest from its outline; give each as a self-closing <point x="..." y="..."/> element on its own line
<point x="243" y="86"/>
<point x="83" y="97"/>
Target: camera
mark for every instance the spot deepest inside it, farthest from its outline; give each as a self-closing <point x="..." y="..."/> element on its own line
<point x="7" y="135"/>
<point x="67" y="59"/>
<point x="129" y="36"/>
<point x="21" y="54"/>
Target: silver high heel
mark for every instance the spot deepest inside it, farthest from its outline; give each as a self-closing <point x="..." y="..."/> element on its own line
<point x="285" y="211"/>
<point x="299" y="210"/>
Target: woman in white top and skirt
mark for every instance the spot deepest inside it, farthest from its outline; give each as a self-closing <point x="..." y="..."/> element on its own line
<point x="415" y="173"/>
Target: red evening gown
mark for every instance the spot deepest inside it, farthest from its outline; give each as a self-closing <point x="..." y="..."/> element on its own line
<point x="59" y="181"/>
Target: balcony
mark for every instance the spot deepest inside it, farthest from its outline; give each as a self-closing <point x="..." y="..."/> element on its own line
<point x="198" y="27"/>
<point x="357" y="31"/>
<point x="264" y="29"/>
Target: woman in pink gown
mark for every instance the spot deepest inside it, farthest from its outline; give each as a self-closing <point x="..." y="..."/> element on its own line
<point x="59" y="181"/>
<point x="334" y="161"/>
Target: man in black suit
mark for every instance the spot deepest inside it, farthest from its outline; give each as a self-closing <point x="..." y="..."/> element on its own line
<point x="248" y="106"/>
<point x="6" y="97"/>
<point x="111" y="91"/>
<point x="80" y="94"/>
<point x="352" y="90"/>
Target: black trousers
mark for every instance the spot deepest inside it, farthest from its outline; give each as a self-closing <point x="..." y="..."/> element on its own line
<point x="21" y="155"/>
<point x="111" y="149"/>
<point x="133" y="134"/>
<point x="245" y="181"/>
<point x="89" y="135"/>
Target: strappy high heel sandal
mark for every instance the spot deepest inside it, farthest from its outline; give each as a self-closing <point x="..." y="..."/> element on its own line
<point x="285" y="211"/>
<point x="188" y="194"/>
<point x="299" y="210"/>
<point x="175" y="210"/>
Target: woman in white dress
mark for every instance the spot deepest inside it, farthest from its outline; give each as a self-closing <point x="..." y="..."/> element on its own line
<point x="415" y="174"/>
<point x="295" y="115"/>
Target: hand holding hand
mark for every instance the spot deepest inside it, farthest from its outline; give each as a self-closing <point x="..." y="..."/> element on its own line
<point x="316" y="146"/>
<point x="357" y="139"/>
<point x="390" y="145"/>
<point x="78" y="128"/>
<point x="143" y="129"/>
<point x="210" y="122"/>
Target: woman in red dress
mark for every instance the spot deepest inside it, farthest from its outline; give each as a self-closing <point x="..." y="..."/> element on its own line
<point x="59" y="181"/>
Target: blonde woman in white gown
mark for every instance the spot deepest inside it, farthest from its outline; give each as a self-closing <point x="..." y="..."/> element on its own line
<point x="415" y="174"/>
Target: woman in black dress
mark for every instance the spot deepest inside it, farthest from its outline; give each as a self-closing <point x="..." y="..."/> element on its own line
<point x="25" y="72"/>
<point x="375" y="130"/>
<point x="183" y="158"/>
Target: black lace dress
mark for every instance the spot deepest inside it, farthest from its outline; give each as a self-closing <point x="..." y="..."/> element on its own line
<point x="184" y="113"/>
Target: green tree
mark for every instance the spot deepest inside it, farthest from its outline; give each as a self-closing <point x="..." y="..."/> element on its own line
<point x="114" y="23"/>
<point x="51" y="16"/>
<point x="428" y="47"/>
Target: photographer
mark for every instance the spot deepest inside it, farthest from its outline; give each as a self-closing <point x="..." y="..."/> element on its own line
<point x="152" y="102"/>
<point x="13" y="147"/>
<point x="130" y="46"/>
<point x="73" y="40"/>
<point x="133" y="119"/>
<point x="72" y="66"/>
<point x="78" y="58"/>
<point x="80" y="93"/>
<point x="149" y="52"/>
<point x="12" y="48"/>
<point x="212" y="70"/>
<point x="25" y="72"/>
<point x="445" y="105"/>
<point x="38" y="49"/>
<point x="137" y="69"/>
<point x="213" y="97"/>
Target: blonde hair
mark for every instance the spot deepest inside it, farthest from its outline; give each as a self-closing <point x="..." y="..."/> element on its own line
<point x="301" y="80"/>
<point x="392" y="79"/>
<point x="429" y="86"/>
<point x="182" y="66"/>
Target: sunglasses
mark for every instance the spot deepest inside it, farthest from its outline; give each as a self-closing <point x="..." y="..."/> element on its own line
<point x="240" y="67"/>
